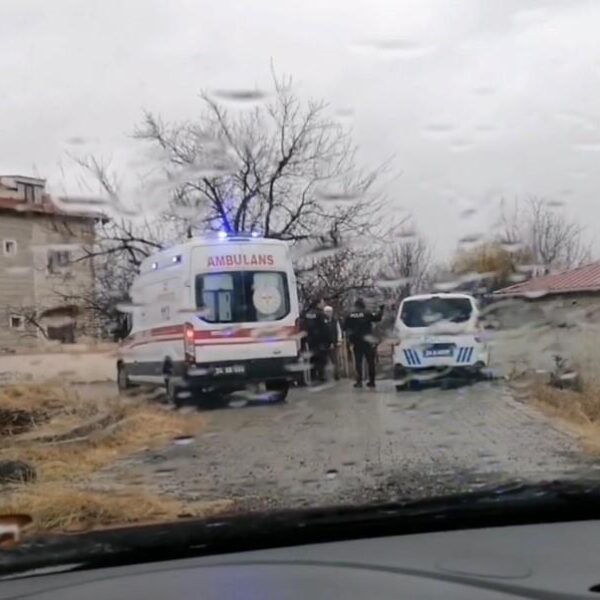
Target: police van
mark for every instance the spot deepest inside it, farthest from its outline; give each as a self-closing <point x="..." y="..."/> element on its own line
<point x="214" y="313"/>
<point x="438" y="334"/>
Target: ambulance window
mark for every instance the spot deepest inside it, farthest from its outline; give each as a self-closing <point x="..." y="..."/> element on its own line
<point x="242" y="296"/>
<point x="214" y="294"/>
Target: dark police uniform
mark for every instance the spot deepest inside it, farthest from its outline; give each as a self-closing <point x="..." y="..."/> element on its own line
<point x="314" y="323"/>
<point x="359" y="325"/>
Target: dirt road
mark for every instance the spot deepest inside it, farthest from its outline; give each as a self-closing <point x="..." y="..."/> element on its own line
<point x="337" y="445"/>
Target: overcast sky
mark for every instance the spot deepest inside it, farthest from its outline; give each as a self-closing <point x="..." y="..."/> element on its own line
<point x="475" y="99"/>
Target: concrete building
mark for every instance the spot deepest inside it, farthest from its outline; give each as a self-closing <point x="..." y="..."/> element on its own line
<point x="40" y="276"/>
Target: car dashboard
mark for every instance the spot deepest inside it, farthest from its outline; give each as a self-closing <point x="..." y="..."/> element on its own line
<point x="557" y="560"/>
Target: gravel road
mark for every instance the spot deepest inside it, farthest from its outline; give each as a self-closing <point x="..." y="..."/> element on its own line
<point x="339" y="445"/>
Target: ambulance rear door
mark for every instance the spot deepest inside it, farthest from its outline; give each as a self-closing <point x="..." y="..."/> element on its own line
<point x="246" y="299"/>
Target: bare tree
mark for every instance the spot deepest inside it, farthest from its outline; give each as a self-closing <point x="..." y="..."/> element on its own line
<point x="336" y="278"/>
<point x="547" y="236"/>
<point x="405" y="266"/>
<point x="284" y="168"/>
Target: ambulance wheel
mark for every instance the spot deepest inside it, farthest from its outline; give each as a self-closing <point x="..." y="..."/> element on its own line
<point x="283" y="387"/>
<point x="123" y="383"/>
<point x="173" y="392"/>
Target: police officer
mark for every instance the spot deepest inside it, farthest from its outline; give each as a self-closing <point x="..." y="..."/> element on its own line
<point x="359" y="327"/>
<point x="335" y="334"/>
<point x="318" y="336"/>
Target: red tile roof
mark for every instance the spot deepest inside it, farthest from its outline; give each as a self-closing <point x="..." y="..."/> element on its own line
<point x="580" y="279"/>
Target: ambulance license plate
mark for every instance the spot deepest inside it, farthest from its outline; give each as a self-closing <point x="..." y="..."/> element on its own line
<point x="229" y="370"/>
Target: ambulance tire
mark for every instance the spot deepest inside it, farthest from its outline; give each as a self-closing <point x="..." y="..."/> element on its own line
<point x="283" y="387"/>
<point x="123" y="383"/>
<point x="173" y="392"/>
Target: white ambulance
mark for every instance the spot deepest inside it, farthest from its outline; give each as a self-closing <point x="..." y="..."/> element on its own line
<point x="438" y="334"/>
<point x="214" y="313"/>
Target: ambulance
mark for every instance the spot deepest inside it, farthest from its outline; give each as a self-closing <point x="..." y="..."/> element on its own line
<point x="214" y="313"/>
<point x="437" y="335"/>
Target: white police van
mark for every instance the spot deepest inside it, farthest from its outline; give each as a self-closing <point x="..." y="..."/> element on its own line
<point x="214" y="313"/>
<point x="438" y="334"/>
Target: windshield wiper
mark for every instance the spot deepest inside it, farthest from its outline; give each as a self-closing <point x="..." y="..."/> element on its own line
<point x="511" y="504"/>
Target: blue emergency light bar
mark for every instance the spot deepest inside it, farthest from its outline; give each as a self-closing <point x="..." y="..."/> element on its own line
<point x="240" y="235"/>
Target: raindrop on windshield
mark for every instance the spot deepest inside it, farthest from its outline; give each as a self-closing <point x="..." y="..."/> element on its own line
<point x="394" y="283"/>
<point x="532" y="295"/>
<point x="460" y="145"/>
<point x="439" y="128"/>
<point x="467" y="213"/>
<point x="339" y="195"/>
<point x="183" y="440"/>
<point x="511" y="245"/>
<point x="484" y="90"/>
<point x="471" y="238"/>
<point x="394" y="48"/>
<point x="240" y="96"/>
<point x="77" y="140"/>
<point x="238" y="402"/>
<point x="128" y="307"/>
<point x="448" y="285"/>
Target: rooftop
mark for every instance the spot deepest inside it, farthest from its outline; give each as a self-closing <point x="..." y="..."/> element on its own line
<point x="24" y="194"/>
<point x="581" y="279"/>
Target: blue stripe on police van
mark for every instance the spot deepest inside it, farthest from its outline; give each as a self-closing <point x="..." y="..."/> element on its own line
<point x="459" y="357"/>
<point x="470" y="354"/>
<point x="412" y="357"/>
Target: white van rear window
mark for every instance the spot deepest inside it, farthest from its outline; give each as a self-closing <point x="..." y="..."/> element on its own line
<point x="242" y="296"/>
<point x="427" y="311"/>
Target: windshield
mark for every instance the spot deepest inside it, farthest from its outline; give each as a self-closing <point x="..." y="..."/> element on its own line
<point x="426" y="312"/>
<point x="242" y="296"/>
<point x="263" y="256"/>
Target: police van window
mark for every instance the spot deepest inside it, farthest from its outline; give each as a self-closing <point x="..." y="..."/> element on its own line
<point x="242" y="296"/>
<point x="425" y="312"/>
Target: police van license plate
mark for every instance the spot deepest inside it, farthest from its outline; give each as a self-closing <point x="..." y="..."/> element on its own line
<point x="229" y="370"/>
<point x="438" y="352"/>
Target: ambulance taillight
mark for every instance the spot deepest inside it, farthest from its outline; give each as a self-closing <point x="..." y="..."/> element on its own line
<point x="188" y="343"/>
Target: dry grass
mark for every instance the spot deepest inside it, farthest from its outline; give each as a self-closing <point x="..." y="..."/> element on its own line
<point x="139" y="426"/>
<point x="53" y="501"/>
<point x="42" y="398"/>
<point x="56" y="508"/>
<point x="579" y="411"/>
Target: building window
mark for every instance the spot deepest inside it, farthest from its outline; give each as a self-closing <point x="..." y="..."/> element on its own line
<point x="16" y="322"/>
<point x="10" y="247"/>
<point x="58" y="261"/>
<point x="29" y="192"/>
